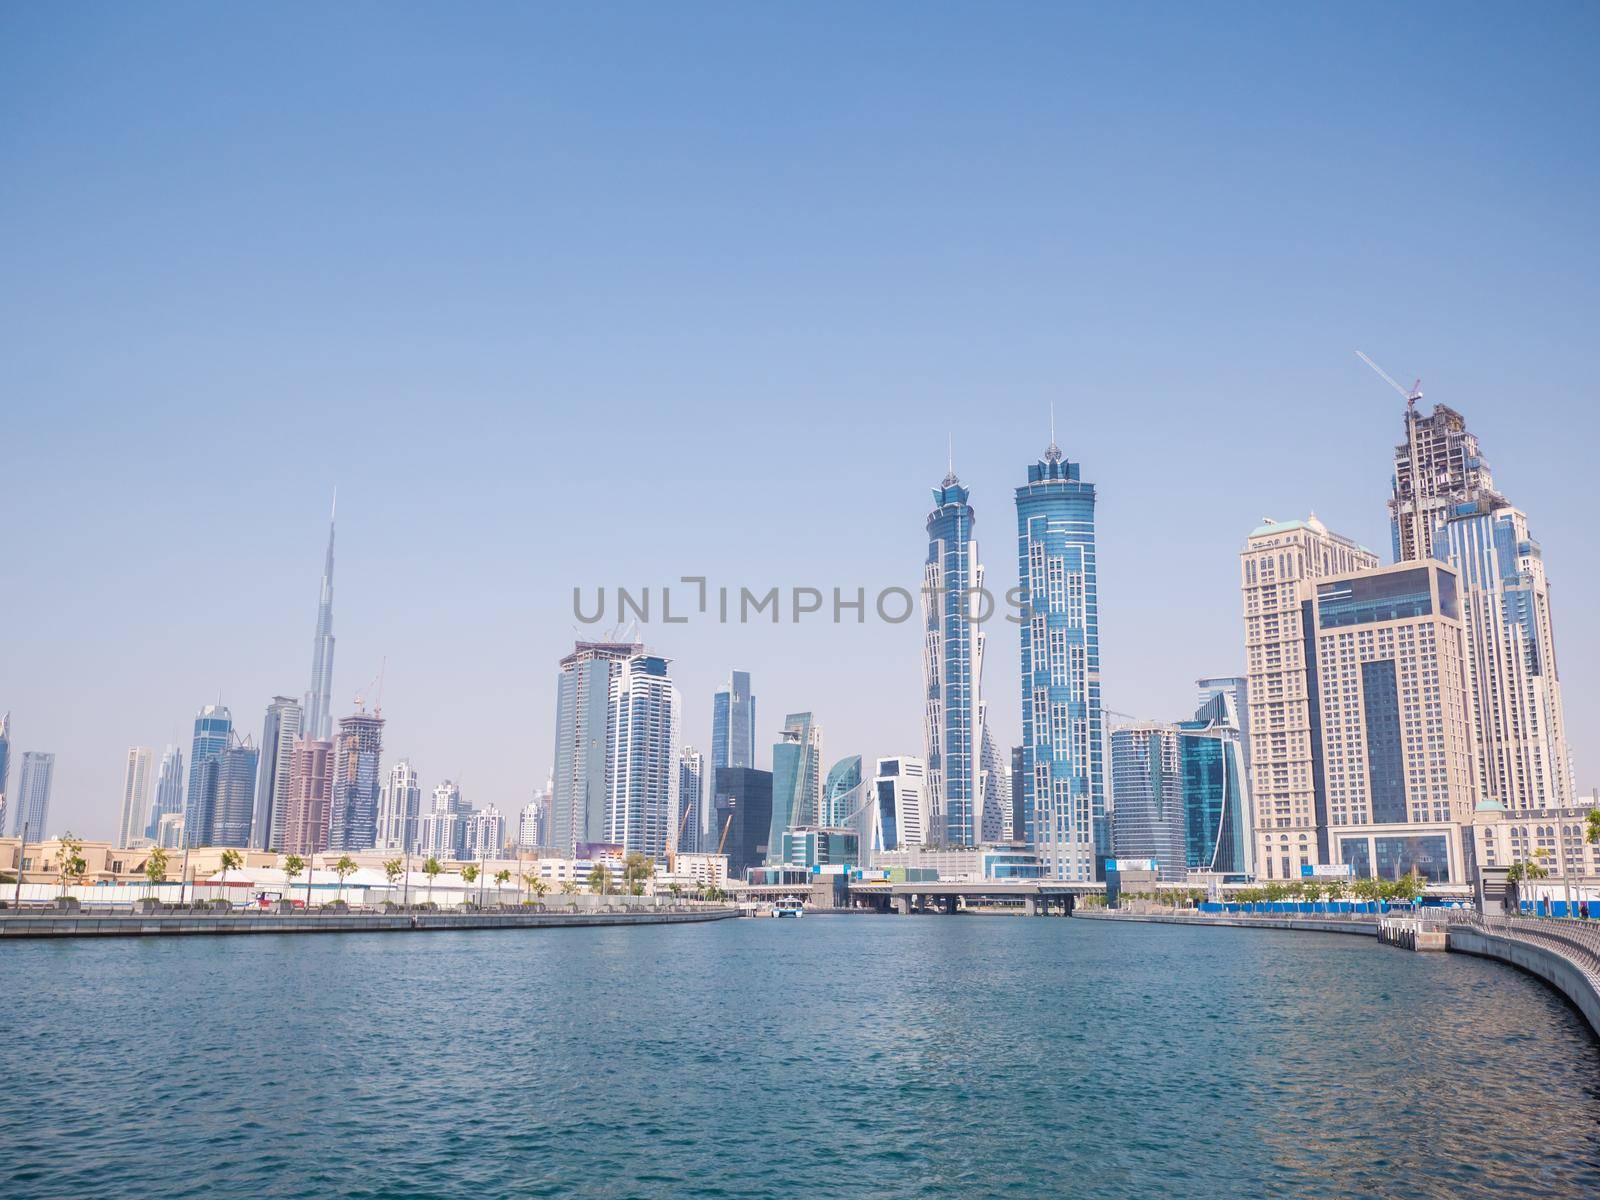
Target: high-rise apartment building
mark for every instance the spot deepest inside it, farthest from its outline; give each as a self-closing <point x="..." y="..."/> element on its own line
<point x="1279" y="569"/>
<point x="1019" y="818"/>
<point x="796" y="778"/>
<point x="278" y="736"/>
<point x="583" y="705"/>
<point x="899" y="811"/>
<point x="642" y="733"/>
<point x="733" y="723"/>
<point x="213" y="733"/>
<point x="693" y="801"/>
<point x="168" y="800"/>
<point x="1396" y="747"/>
<point x="440" y="831"/>
<point x="234" y="807"/>
<point x="399" y="808"/>
<point x="305" y="823"/>
<point x="33" y="795"/>
<point x="353" y="820"/>
<point x="483" y="833"/>
<point x="963" y="797"/>
<point x="1436" y="469"/>
<point x="1063" y="768"/>
<point x="530" y="824"/>
<point x="318" y="720"/>
<point x="5" y="766"/>
<point x="135" y="811"/>
<point x="1149" y="819"/>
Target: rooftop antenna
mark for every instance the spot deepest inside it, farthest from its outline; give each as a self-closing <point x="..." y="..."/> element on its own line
<point x="1053" y="451"/>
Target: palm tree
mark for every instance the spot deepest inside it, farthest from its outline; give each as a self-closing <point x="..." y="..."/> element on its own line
<point x="431" y="869"/>
<point x="501" y="877"/>
<point x="344" y="868"/>
<point x="231" y="861"/>
<point x="599" y="879"/>
<point x="293" y="864"/>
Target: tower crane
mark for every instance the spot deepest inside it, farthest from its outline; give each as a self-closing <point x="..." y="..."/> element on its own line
<point x="1415" y="394"/>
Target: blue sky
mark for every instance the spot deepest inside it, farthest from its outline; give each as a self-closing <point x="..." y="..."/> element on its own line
<point x="568" y="296"/>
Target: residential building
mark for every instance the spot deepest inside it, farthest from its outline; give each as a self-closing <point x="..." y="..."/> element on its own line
<point x="693" y="801"/>
<point x="1063" y="767"/>
<point x="134" y="813"/>
<point x="318" y="721"/>
<point x="700" y="870"/>
<point x="796" y="777"/>
<point x="530" y="823"/>
<point x="733" y="723"/>
<point x="961" y="812"/>
<point x="1555" y="838"/>
<point x="33" y="794"/>
<point x="5" y="767"/>
<point x="1279" y="569"/>
<point x="483" y="833"/>
<point x="305" y="823"/>
<point x="169" y="793"/>
<point x="1148" y="816"/>
<point x="235" y="791"/>
<point x="1018" y="825"/>
<point x="642" y="732"/>
<point x="583" y="703"/>
<point x="353" y="819"/>
<point x="1395" y="746"/>
<point x="278" y="736"/>
<point x="742" y="812"/>
<point x="899" y="811"/>
<point x="440" y="830"/>
<point x="399" y="808"/>
<point x="213" y="733"/>
<point x="1437" y="469"/>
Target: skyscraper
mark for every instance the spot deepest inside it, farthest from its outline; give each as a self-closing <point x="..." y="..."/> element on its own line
<point x="796" y="778"/>
<point x="399" y="808"/>
<point x="134" y="814"/>
<point x="213" y="730"/>
<point x="840" y="791"/>
<point x="305" y="822"/>
<point x="694" y="815"/>
<point x="278" y="736"/>
<point x="439" y="830"/>
<point x="1436" y="469"/>
<point x="353" y="820"/>
<point x="33" y="795"/>
<point x="168" y="801"/>
<point x="5" y="764"/>
<point x="733" y="723"/>
<point x="742" y="809"/>
<point x="642" y="732"/>
<point x="954" y="734"/>
<point x="1063" y="768"/>
<point x="1216" y="788"/>
<point x="234" y="809"/>
<point x="530" y="824"/>
<point x="583" y="700"/>
<point x="483" y="833"/>
<point x="1236" y="690"/>
<point x="1147" y="798"/>
<point x="1279" y="569"/>
<point x="900" y="804"/>
<point x="319" y="698"/>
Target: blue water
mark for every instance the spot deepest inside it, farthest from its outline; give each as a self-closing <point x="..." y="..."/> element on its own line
<point x="926" y="1057"/>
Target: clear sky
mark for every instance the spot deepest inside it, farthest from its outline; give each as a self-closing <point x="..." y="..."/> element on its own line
<point x="608" y="294"/>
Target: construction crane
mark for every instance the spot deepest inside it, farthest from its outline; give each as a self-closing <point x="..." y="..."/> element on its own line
<point x="1412" y="397"/>
<point x="375" y="685"/>
<point x="723" y="840"/>
<point x="683" y="826"/>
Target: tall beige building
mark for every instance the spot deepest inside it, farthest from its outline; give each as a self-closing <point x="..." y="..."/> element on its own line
<point x="135" y="810"/>
<point x="1279" y="568"/>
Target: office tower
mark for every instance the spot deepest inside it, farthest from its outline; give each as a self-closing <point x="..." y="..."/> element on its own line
<point x="642" y="732"/>
<point x="135" y="813"/>
<point x="899" y="818"/>
<point x="440" y="830"/>
<point x="33" y="795"/>
<point x="169" y="831"/>
<point x="231" y="816"/>
<point x="278" y="736"/>
<point x="1396" y="746"/>
<point x="1216" y="790"/>
<point x="483" y="833"/>
<point x="305" y="823"/>
<point x="994" y="785"/>
<point x="169" y="793"/>
<point x="319" y="698"/>
<point x="1063" y="767"/>
<point x="1279" y="569"/>
<point x="955" y="737"/>
<point x="742" y="812"/>
<point x="213" y="731"/>
<point x="796" y="778"/>
<point x="399" y="808"/>
<point x="693" y="817"/>
<point x="840" y="793"/>
<point x="1019" y="820"/>
<point x="1521" y="759"/>
<point x="1237" y="690"/>
<point x="5" y="765"/>
<point x="583" y="704"/>
<point x="1437" y="469"/>
<point x="1148" y="820"/>
<point x="733" y="723"/>
<point x="353" y="821"/>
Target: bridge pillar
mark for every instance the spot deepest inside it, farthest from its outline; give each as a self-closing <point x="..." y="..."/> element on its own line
<point x="1030" y="906"/>
<point x="902" y="905"/>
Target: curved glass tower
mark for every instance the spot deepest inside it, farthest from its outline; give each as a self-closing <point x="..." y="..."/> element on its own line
<point x="1063" y="755"/>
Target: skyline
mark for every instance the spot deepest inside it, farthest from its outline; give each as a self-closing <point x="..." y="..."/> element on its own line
<point x="495" y="329"/>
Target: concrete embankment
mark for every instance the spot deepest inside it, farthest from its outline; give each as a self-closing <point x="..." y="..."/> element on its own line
<point x="1367" y="927"/>
<point x="89" y="924"/>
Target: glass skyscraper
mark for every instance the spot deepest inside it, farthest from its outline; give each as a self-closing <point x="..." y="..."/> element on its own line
<point x="796" y="779"/>
<point x="583" y="699"/>
<point x="1148" y="801"/>
<point x="213" y="731"/>
<point x="1215" y="785"/>
<point x="278" y="736"/>
<point x="694" y="817"/>
<point x="169" y="791"/>
<point x="234" y="808"/>
<point x="33" y="795"/>
<point x="733" y="723"/>
<point x="642" y="741"/>
<point x="742" y="814"/>
<point x="5" y="765"/>
<point x="319" y="697"/>
<point x="353" y="818"/>
<point x="1063" y="767"/>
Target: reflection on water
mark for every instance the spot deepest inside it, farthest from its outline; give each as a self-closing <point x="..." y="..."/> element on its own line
<point x="907" y="1057"/>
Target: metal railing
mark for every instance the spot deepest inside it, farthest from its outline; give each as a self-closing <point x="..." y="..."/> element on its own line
<point x="1573" y="938"/>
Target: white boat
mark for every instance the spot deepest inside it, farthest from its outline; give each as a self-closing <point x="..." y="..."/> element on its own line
<point x="789" y="906"/>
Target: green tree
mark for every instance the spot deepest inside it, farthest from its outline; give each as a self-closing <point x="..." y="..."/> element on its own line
<point x="155" y="866"/>
<point x="568" y="888"/>
<point x="431" y="869"/>
<point x="469" y="874"/>
<point x="636" y="869"/>
<point x="599" y="879"/>
<point x="71" y="865"/>
<point x="501" y="878"/>
<point x="1312" y="892"/>
<point x="344" y="868"/>
<point x="1591" y="827"/>
<point x="293" y="864"/>
<point x="232" y="860"/>
<point x="393" y="869"/>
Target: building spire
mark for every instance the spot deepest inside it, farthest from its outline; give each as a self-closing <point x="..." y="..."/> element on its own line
<point x="319" y="698"/>
<point x="950" y="462"/>
<point x="1053" y="452"/>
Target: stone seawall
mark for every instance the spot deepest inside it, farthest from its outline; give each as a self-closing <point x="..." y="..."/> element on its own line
<point x="48" y="924"/>
<point x="1562" y="973"/>
<point x="1367" y="927"/>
